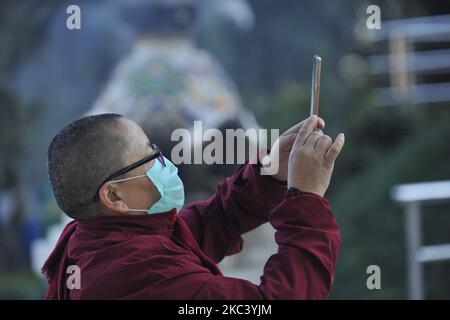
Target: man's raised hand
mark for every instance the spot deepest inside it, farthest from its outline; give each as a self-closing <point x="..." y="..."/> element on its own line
<point x="311" y="160"/>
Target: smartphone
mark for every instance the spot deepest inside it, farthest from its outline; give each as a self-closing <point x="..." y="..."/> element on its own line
<point x="315" y="85"/>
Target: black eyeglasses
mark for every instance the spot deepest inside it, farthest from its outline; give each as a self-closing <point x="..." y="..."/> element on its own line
<point x="157" y="155"/>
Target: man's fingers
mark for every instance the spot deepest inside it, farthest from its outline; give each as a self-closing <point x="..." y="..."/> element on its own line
<point x="323" y="143"/>
<point x="321" y="124"/>
<point x="312" y="139"/>
<point x="295" y="129"/>
<point x="335" y="148"/>
<point x="306" y="129"/>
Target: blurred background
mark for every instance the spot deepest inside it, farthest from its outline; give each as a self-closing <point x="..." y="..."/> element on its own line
<point x="242" y="64"/>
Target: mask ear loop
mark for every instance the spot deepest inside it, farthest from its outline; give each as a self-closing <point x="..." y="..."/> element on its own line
<point x="126" y="179"/>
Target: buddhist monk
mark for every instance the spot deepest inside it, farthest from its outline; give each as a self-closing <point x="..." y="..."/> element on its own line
<point x="132" y="236"/>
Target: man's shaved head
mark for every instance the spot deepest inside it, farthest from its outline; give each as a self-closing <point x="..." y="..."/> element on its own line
<point x="82" y="155"/>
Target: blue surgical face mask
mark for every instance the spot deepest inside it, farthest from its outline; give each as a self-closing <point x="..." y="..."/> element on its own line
<point x="169" y="185"/>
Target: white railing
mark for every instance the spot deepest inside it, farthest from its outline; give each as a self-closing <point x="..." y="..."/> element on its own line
<point x="413" y="196"/>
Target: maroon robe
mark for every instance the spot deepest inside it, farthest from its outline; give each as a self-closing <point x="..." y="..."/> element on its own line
<point x="174" y="256"/>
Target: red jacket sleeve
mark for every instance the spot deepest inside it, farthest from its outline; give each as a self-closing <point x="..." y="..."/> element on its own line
<point x="303" y="268"/>
<point x="240" y="204"/>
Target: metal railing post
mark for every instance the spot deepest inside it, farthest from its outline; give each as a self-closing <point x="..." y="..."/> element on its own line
<point x="413" y="243"/>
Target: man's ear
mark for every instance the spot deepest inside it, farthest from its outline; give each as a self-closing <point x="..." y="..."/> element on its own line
<point x="110" y="197"/>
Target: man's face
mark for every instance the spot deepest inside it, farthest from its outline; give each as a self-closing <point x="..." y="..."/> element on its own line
<point x="138" y="193"/>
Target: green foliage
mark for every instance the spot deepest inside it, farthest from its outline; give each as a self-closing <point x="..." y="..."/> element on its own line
<point x="288" y="107"/>
<point x="21" y="285"/>
<point x="372" y="225"/>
